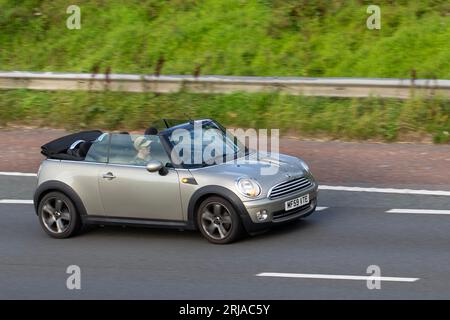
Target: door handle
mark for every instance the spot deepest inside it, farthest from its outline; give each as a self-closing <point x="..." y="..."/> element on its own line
<point x="109" y="176"/>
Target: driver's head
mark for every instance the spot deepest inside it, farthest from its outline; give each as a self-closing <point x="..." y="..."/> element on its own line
<point x="142" y="144"/>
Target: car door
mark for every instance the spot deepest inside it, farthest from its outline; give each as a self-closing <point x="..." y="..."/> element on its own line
<point x="128" y="190"/>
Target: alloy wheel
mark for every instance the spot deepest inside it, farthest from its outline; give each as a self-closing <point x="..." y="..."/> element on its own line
<point x="216" y="220"/>
<point x="56" y="215"/>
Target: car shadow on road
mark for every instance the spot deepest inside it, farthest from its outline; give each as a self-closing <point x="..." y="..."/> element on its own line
<point x="302" y="227"/>
<point x="283" y="230"/>
<point x="151" y="234"/>
<point x="139" y="232"/>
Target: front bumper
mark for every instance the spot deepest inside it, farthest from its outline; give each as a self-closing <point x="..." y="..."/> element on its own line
<point x="276" y="210"/>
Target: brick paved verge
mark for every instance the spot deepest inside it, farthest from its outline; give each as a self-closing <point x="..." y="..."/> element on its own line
<point x="332" y="162"/>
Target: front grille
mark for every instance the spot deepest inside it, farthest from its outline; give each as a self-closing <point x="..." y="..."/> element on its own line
<point x="287" y="187"/>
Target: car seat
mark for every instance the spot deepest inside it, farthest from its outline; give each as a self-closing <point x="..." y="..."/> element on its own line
<point x="83" y="149"/>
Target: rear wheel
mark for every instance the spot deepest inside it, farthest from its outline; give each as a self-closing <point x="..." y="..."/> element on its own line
<point x="58" y="216"/>
<point x="218" y="221"/>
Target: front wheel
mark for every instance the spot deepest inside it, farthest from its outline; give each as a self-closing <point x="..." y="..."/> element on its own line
<point x="58" y="215"/>
<point x="218" y="221"/>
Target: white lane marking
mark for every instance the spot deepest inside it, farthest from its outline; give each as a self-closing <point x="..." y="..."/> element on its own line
<point x="15" y="201"/>
<point x="18" y="174"/>
<point x="321" y="187"/>
<point x="334" y="277"/>
<point x="387" y="190"/>
<point x="419" y="211"/>
<point x="321" y="208"/>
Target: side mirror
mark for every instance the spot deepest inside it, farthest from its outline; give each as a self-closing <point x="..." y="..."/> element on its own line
<point x="155" y="165"/>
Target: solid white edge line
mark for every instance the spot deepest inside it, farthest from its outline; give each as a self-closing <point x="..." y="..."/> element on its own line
<point x="15" y="201"/>
<point x="334" y="277"/>
<point x="321" y="208"/>
<point x="321" y="187"/>
<point x="18" y="174"/>
<point x="386" y="190"/>
<point x="419" y="211"/>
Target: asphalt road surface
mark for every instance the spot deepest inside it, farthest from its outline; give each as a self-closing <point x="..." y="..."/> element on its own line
<point x="312" y="259"/>
<point x="330" y="255"/>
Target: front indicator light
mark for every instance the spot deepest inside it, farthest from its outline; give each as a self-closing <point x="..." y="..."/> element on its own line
<point x="189" y="180"/>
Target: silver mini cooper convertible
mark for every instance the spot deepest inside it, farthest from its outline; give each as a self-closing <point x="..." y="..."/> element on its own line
<point x="190" y="175"/>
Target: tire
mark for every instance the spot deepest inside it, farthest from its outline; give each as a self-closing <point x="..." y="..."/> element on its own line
<point x="58" y="216"/>
<point x="218" y="221"/>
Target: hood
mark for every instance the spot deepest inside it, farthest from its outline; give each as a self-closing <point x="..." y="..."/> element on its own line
<point x="267" y="169"/>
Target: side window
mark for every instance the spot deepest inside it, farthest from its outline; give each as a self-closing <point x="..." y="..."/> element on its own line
<point x="157" y="151"/>
<point x="121" y="149"/>
<point x="98" y="151"/>
<point x="136" y="150"/>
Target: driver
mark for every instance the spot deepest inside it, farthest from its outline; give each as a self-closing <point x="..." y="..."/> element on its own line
<point x="142" y="146"/>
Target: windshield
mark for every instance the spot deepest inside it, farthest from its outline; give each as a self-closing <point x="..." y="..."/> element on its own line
<point x="201" y="143"/>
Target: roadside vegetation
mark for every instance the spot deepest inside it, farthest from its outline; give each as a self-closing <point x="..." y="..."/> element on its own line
<point x="319" y="38"/>
<point x="304" y="117"/>
<point x="234" y="37"/>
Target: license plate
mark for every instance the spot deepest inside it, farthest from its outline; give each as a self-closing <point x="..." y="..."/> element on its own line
<point x="295" y="203"/>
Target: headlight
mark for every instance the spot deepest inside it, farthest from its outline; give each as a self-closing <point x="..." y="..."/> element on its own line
<point x="248" y="187"/>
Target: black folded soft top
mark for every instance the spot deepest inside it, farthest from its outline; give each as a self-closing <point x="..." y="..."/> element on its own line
<point x="57" y="149"/>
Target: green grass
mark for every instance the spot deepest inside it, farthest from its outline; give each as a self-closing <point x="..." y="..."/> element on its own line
<point x="232" y="37"/>
<point x="349" y="119"/>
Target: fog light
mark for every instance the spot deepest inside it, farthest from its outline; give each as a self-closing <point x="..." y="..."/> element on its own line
<point x="262" y="215"/>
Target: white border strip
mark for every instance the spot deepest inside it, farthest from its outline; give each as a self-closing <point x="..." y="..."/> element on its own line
<point x="15" y="201"/>
<point x="387" y="190"/>
<point x="18" y="174"/>
<point x="419" y="211"/>
<point x="334" y="277"/>
<point x="321" y="208"/>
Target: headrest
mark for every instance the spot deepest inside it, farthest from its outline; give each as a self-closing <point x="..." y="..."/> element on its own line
<point x="151" y="131"/>
<point x="84" y="148"/>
